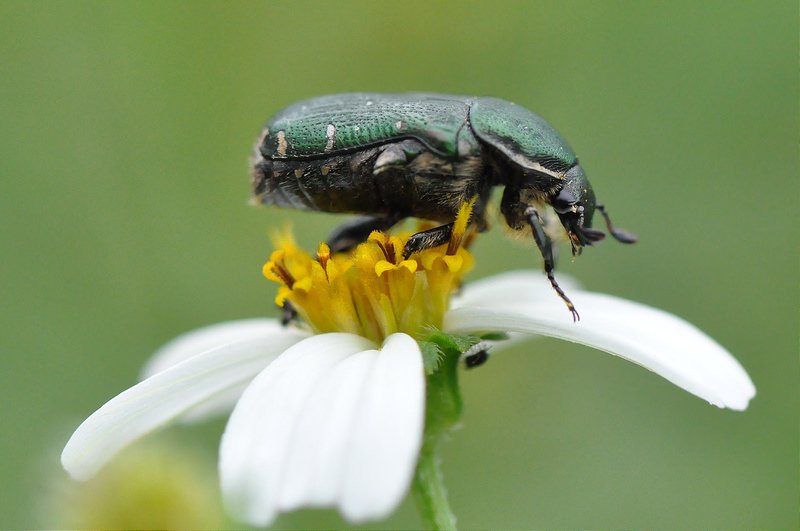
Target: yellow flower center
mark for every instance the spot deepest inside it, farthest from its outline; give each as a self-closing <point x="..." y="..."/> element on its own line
<point x="372" y="290"/>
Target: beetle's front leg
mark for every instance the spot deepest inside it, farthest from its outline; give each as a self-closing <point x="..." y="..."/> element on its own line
<point x="546" y="248"/>
<point x="427" y="239"/>
<point x="357" y="230"/>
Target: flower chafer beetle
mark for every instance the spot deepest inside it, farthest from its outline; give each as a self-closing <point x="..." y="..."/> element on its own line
<point x="393" y="156"/>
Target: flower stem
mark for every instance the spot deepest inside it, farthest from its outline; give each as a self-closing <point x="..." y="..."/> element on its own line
<point x="430" y="491"/>
<point x="443" y="411"/>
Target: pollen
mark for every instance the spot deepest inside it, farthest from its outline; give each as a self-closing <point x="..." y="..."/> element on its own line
<point x="372" y="290"/>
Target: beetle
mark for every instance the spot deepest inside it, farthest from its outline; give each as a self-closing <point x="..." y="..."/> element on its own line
<point x="388" y="157"/>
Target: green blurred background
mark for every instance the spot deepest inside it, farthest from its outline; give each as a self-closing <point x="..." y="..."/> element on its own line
<point x="126" y="131"/>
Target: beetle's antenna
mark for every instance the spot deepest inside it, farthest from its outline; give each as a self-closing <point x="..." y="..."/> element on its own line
<point x="618" y="234"/>
<point x="546" y="248"/>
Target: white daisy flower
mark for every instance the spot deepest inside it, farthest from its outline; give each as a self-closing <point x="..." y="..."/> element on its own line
<point x="334" y="414"/>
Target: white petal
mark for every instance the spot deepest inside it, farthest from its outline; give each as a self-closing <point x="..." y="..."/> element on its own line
<point x="258" y="438"/>
<point x="510" y="288"/>
<point x="216" y="335"/>
<point x="315" y="467"/>
<point x="219" y="405"/>
<point x="656" y="340"/>
<point x="388" y="432"/>
<point x="328" y="424"/>
<point x="189" y="344"/>
<point x="166" y="395"/>
<point x="513" y="287"/>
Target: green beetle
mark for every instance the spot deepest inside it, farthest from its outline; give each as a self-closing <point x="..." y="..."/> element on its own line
<point x="393" y="156"/>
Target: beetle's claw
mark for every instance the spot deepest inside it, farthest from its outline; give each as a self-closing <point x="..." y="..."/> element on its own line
<point x="571" y="307"/>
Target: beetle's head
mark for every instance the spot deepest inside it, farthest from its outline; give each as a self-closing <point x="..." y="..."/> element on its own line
<point x="575" y="205"/>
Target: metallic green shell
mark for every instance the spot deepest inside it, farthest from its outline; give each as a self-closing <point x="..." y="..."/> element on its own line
<point x="330" y="125"/>
<point x="446" y="124"/>
<point x="519" y="134"/>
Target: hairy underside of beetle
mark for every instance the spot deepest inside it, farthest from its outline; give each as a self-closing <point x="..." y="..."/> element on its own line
<point x="396" y="179"/>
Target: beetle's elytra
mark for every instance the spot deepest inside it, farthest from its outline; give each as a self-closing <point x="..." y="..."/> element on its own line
<point x="393" y="156"/>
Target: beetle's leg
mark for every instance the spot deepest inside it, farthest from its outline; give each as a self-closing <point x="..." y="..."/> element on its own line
<point x="288" y="313"/>
<point x="546" y="248"/>
<point x="476" y="355"/>
<point x="618" y="234"/>
<point x="398" y="154"/>
<point x="427" y="239"/>
<point x="357" y="230"/>
<point x="478" y="217"/>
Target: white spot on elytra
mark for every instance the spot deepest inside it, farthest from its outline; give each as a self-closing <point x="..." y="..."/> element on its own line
<point x="399" y="125"/>
<point x="330" y="134"/>
<point x="282" y="143"/>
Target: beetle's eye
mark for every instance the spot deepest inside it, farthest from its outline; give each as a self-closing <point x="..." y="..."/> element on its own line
<point x="564" y="201"/>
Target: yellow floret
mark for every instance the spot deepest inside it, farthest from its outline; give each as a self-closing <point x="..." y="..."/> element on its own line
<point x="371" y="291"/>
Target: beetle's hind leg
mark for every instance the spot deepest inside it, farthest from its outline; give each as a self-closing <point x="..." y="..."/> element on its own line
<point x="357" y="230"/>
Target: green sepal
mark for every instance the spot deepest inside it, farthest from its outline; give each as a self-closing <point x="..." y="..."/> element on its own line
<point x="432" y="356"/>
<point x="449" y="344"/>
